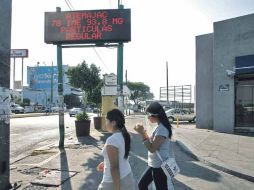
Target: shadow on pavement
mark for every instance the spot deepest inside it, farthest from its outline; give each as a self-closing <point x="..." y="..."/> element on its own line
<point x="89" y="140"/>
<point x="64" y="167"/>
<point x="192" y="169"/>
<point x="93" y="177"/>
<point x="196" y="170"/>
<point x="180" y="186"/>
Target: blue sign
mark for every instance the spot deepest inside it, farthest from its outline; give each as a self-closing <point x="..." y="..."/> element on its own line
<point x="40" y="77"/>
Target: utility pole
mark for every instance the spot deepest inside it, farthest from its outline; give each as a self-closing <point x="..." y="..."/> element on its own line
<point x="60" y="92"/>
<point x="167" y="82"/>
<point x="120" y="71"/>
<point x="5" y="45"/>
<point x="51" y="86"/>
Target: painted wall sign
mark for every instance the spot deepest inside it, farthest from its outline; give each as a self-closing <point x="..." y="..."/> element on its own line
<point x="88" y="26"/>
<point x="224" y="87"/>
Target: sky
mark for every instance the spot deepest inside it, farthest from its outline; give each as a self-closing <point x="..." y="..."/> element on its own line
<point x="161" y="31"/>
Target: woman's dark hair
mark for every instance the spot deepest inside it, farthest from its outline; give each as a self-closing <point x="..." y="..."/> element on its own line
<point x="156" y="110"/>
<point x="117" y="116"/>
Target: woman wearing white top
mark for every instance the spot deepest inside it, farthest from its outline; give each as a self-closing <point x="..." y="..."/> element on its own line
<point x="116" y="169"/>
<point x="159" y="142"/>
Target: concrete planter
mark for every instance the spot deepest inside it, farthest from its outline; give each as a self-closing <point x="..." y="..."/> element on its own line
<point x="82" y="128"/>
<point x="97" y="122"/>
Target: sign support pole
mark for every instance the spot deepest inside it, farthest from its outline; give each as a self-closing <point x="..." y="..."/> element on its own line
<point x="120" y="72"/>
<point x="60" y="92"/>
<point x="60" y="95"/>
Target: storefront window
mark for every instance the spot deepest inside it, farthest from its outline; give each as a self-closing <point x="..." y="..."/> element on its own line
<point x="244" y="104"/>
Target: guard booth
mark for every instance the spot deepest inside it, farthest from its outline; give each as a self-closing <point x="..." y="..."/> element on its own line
<point x="244" y="93"/>
<point x="109" y="96"/>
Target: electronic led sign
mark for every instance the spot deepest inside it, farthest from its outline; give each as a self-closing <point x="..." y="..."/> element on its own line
<point x="89" y="26"/>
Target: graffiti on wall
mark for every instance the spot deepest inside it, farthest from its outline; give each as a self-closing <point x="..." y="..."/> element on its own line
<point x="5" y="105"/>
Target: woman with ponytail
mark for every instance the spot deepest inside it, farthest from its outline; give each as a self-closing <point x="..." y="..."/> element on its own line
<point x="117" y="173"/>
<point x="158" y="142"/>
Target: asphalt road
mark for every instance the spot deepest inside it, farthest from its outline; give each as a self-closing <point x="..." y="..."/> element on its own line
<point x="29" y="133"/>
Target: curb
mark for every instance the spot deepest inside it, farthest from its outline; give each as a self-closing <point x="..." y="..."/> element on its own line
<point x="12" y="116"/>
<point x="185" y="149"/>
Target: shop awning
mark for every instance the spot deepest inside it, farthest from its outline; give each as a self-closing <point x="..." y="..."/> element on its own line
<point x="244" y="64"/>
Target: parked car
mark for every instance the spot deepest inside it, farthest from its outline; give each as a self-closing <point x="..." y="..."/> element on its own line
<point x="16" y="108"/>
<point x="75" y="111"/>
<point x="56" y="109"/>
<point x="181" y="114"/>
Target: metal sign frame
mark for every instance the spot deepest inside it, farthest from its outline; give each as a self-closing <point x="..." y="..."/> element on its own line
<point x="88" y="26"/>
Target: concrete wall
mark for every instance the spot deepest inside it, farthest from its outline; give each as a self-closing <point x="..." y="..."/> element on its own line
<point x="233" y="37"/>
<point x="204" y="81"/>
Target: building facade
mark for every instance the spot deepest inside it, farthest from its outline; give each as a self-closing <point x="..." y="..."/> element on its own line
<point x="225" y="76"/>
<point x="41" y="79"/>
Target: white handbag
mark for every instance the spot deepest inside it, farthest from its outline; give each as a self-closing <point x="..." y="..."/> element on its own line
<point x="169" y="166"/>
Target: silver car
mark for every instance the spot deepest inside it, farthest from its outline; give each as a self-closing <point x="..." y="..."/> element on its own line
<point x="75" y="111"/>
<point x="16" y="108"/>
<point x="181" y="114"/>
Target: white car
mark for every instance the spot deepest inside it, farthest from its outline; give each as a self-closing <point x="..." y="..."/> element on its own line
<point x="75" y="111"/>
<point x="181" y="114"/>
<point x="16" y="108"/>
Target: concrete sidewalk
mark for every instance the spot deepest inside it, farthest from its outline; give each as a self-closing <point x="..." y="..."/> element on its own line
<point x="75" y="166"/>
<point x="72" y="168"/>
<point x="231" y="153"/>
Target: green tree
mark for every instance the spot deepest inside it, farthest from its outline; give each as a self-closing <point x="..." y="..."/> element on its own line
<point x="88" y="79"/>
<point x="95" y="96"/>
<point x="139" y="92"/>
<point x="26" y="102"/>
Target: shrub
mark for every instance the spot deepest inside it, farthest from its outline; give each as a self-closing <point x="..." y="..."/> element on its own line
<point x="82" y="116"/>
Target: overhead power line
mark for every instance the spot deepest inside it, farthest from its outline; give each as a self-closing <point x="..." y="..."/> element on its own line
<point x="98" y="55"/>
<point x="68" y="3"/>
